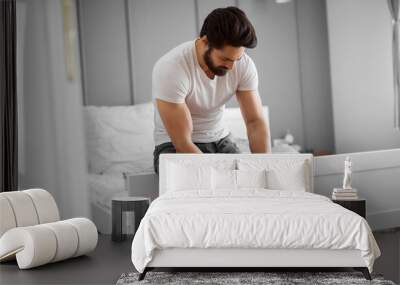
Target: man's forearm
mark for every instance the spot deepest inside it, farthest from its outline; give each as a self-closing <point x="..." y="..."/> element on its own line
<point x="259" y="137"/>
<point x="186" y="147"/>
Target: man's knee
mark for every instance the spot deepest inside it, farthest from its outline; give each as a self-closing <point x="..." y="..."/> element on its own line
<point x="226" y="145"/>
<point x="159" y="149"/>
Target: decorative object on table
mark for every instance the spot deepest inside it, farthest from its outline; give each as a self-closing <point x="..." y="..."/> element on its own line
<point x="394" y="7"/>
<point x="347" y="174"/>
<point x="248" y="278"/>
<point x="287" y="140"/>
<point x="357" y="206"/>
<point x="31" y="232"/>
<point x="346" y="192"/>
<point x="138" y="205"/>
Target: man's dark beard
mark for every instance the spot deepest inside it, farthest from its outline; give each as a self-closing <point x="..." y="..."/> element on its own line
<point x="219" y="71"/>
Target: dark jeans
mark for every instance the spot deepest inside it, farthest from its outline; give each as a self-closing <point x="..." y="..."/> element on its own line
<point x="224" y="145"/>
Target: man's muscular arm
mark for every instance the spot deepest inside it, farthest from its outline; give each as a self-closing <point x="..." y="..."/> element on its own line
<point x="178" y="123"/>
<point x="257" y="129"/>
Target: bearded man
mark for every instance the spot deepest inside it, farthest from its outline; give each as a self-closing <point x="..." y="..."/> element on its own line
<point x="192" y="82"/>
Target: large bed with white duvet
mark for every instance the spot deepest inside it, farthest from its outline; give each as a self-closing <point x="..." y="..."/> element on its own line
<point x="247" y="210"/>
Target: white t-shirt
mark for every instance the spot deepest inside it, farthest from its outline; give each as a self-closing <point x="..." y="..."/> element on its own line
<point x="178" y="78"/>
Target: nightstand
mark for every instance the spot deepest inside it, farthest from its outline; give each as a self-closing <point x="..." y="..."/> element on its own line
<point x="358" y="206"/>
<point x="138" y="205"/>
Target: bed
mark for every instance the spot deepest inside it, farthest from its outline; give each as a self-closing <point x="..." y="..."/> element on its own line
<point x="119" y="141"/>
<point x="247" y="210"/>
<point x="120" y="148"/>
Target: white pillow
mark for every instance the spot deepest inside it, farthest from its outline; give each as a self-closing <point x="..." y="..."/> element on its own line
<point x="181" y="177"/>
<point x="224" y="179"/>
<point x="282" y="174"/>
<point x="289" y="179"/>
<point x="251" y="178"/>
<point x="204" y="160"/>
<point x="118" y="134"/>
<point x="228" y="179"/>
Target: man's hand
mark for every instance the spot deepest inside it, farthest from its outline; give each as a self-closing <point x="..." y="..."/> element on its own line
<point x="257" y="129"/>
<point x="178" y="123"/>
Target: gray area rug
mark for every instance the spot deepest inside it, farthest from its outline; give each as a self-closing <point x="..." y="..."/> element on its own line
<point x="225" y="278"/>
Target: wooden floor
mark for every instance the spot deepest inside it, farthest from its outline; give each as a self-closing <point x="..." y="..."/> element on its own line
<point x="388" y="264"/>
<point x="102" y="266"/>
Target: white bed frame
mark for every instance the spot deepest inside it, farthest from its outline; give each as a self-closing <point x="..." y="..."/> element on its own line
<point x="250" y="258"/>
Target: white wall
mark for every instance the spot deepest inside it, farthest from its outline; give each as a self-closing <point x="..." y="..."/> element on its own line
<point x="53" y="141"/>
<point x="361" y="75"/>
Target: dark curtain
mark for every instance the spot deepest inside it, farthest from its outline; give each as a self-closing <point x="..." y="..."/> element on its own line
<point x="8" y="98"/>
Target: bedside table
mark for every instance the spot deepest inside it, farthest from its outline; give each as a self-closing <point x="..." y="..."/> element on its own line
<point x="138" y="205"/>
<point x="358" y="206"/>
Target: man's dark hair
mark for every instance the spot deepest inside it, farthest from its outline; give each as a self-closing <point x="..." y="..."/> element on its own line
<point x="229" y="26"/>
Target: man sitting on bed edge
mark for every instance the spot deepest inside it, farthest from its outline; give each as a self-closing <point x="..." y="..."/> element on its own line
<point x="192" y="82"/>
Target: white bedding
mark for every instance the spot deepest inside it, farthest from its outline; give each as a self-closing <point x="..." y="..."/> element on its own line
<point x="102" y="187"/>
<point x="119" y="137"/>
<point x="251" y="218"/>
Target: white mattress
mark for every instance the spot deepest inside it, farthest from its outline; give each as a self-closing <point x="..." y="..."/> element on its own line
<point x="253" y="218"/>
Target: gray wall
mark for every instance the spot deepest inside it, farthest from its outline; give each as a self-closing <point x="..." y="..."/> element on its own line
<point x="104" y="43"/>
<point x="204" y="7"/>
<point x="157" y="26"/>
<point x="291" y="56"/>
<point x="21" y="26"/>
<point x="362" y="75"/>
<point x="375" y="175"/>
<point x="314" y="75"/>
<point x="276" y="58"/>
<point x="52" y="140"/>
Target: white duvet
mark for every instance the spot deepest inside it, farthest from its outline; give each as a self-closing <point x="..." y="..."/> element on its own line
<point x="251" y="218"/>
